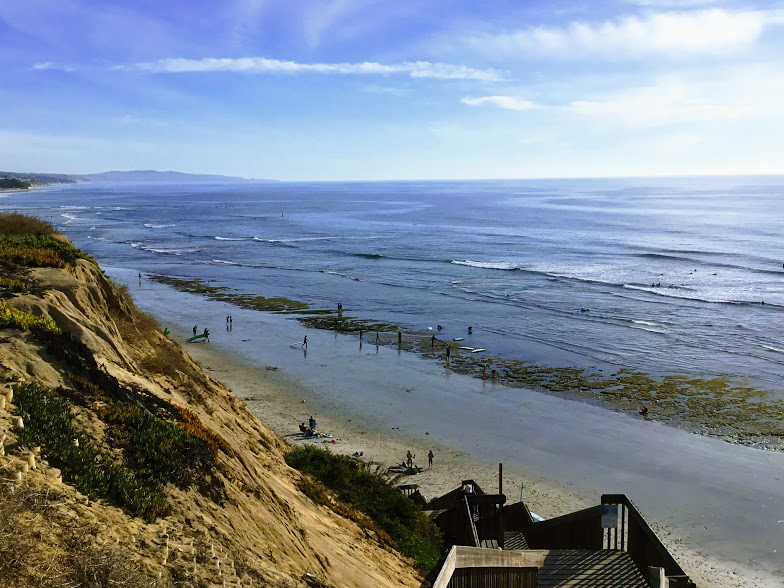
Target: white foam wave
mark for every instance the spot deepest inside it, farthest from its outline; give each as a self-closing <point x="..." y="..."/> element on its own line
<point x="648" y="326"/>
<point x="342" y="275"/>
<point x="680" y="293"/>
<point x="224" y="262"/>
<point x="154" y="226"/>
<point x="293" y="240"/>
<point x="70" y="217"/>
<point x="774" y="349"/>
<point x="496" y="265"/>
<point x="230" y="239"/>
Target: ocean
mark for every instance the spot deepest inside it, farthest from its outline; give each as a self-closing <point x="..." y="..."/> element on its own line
<point x="665" y="275"/>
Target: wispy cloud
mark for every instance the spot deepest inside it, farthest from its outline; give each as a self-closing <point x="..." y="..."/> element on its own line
<point x="669" y="101"/>
<point x="415" y="69"/>
<point x="51" y="65"/>
<point x="507" y="102"/>
<point x="673" y="33"/>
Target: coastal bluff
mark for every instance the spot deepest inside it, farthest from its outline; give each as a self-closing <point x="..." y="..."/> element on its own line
<point x="181" y="484"/>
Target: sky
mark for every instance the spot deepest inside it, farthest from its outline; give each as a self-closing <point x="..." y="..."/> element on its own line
<point x="393" y="89"/>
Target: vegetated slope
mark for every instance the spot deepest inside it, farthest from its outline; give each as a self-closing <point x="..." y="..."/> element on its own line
<point x="143" y="470"/>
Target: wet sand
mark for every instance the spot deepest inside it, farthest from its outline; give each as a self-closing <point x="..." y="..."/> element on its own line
<point x="716" y="506"/>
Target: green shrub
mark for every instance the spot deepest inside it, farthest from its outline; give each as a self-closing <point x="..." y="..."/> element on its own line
<point x="157" y="450"/>
<point x="373" y="494"/>
<point x="13" y="285"/>
<point x="36" y="250"/>
<point x="49" y="424"/>
<point x="19" y="319"/>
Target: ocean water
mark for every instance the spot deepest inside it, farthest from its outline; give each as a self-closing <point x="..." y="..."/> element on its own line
<point x="676" y="276"/>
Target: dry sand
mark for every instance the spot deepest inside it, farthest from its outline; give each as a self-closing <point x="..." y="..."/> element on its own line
<point x="277" y="400"/>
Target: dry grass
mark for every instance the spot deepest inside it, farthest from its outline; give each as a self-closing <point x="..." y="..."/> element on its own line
<point x="15" y="224"/>
<point x="39" y="549"/>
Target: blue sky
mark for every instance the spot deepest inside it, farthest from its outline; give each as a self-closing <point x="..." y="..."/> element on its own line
<point x="403" y="89"/>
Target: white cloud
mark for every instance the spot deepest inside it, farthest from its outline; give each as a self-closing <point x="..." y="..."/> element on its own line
<point x="415" y="69"/>
<point x="51" y="65"/>
<point x="674" y="100"/>
<point x="674" y="33"/>
<point x="507" y="102"/>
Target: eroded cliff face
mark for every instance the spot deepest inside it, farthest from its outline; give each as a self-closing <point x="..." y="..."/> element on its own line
<point x="246" y="522"/>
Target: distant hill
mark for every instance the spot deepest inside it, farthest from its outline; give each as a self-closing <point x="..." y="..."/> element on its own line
<point x="40" y="179"/>
<point x="159" y="176"/>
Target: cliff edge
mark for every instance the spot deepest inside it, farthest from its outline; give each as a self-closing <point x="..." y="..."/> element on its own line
<point x="123" y="463"/>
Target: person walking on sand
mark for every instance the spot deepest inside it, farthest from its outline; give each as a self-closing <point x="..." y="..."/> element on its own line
<point x="195" y="328"/>
<point x="377" y="336"/>
<point x="430" y="457"/>
<point x="207" y="334"/>
<point x="448" y="353"/>
<point x="305" y="342"/>
<point x="399" y="337"/>
<point x="433" y="342"/>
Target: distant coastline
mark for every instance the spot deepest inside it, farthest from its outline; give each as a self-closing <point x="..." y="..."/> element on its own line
<point x="131" y="176"/>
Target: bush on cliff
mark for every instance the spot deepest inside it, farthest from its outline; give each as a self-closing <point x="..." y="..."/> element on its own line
<point x="373" y="494"/>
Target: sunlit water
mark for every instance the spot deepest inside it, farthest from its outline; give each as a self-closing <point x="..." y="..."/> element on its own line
<point x="675" y="275"/>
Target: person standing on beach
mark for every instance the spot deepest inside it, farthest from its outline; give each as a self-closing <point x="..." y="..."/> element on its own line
<point x="377" y="336"/>
<point x="305" y="342"/>
<point x="448" y="352"/>
<point x="399" y="337"/>
<point x="195" y="328"/>
<point x="433" y="342"/>
<point x="409" y="459"/>
<point x="360" y="334"/>
<point x="430" y="457"/>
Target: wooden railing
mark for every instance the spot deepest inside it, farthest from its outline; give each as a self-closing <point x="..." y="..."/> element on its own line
<point x="635" y="536"/>
<point x="467" y="567"/>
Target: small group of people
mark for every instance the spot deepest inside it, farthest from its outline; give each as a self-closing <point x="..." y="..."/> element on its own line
<point x="411" y="456"/>
<point x="310" y="430"/>
<point x="206" y="332"/>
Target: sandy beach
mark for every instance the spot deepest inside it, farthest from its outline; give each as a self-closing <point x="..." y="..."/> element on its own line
<point x="715" y="505"/>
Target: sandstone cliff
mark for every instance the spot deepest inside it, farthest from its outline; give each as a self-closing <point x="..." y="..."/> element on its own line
<point x="243" y="521"/>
